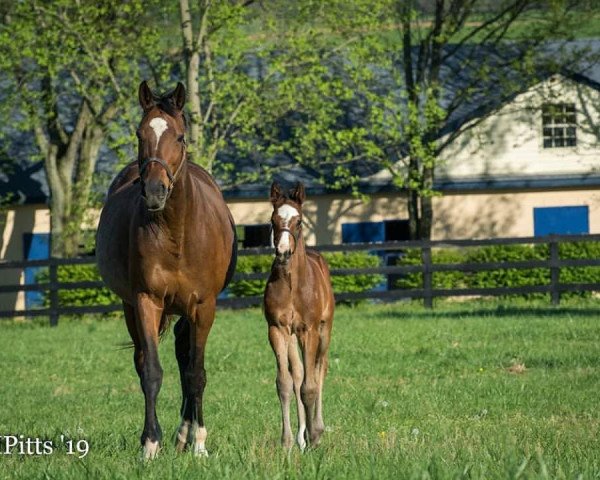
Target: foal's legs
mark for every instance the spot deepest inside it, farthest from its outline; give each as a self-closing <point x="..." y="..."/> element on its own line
<point x="309" y="342"/>
<point x="149" y="315"/>
<point x="298" y="377"/>
<point x="279" y="340"/>
<point x="322" y="365"/>
<point x="192" y="430"/>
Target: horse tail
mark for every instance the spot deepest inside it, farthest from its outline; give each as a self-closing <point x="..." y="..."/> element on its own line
<point x="234" y="254"/>
<point x="165" y="323"/>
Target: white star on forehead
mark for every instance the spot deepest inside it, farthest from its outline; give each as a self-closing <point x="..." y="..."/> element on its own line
<point x="287" y="212"/>
<point x="159" y="125"/>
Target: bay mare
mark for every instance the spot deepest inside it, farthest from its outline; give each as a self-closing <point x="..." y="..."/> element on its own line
<point x="166" y="245"/>
<point x="299" y="306"/>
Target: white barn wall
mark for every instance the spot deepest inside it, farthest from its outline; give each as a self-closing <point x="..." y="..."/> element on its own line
<point x="509" y="143"/>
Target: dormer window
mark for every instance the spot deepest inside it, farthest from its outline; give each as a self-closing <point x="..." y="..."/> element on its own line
<point x="559" y="125"/>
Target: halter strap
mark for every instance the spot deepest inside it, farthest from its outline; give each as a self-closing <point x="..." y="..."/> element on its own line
<point x="295" y="237"/>
<point x="162" y="163"/>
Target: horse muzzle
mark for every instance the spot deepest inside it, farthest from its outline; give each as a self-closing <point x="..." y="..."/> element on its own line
<point x="283" y="257"/>
<point x="155" y="195"/>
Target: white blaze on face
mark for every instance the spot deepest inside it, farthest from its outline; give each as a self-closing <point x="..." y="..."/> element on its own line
<point x="287" y="213"/>
<point x="159" y="125"/>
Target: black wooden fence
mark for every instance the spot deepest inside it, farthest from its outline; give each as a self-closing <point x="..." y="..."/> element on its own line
<point x="427" y="268"/>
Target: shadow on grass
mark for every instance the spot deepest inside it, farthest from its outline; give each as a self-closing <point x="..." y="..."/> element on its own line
<point x="497" y="311"/>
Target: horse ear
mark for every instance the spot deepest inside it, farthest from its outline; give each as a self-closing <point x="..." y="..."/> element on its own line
<point x="179" y="96"/>
<point x="146" y="96"/>
<point x="297" y="193"/>
<point x="275" y="192"/>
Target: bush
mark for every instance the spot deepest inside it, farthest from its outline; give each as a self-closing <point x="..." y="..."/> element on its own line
<point x="250" y="264"/>
<point x="579" y="250"/>
<point x="439" y="279"/>
<point x="82" y="296"/>
<point x="340" y="283"/>
<point x="511" y="277"/>
<point x="353" y="283"/>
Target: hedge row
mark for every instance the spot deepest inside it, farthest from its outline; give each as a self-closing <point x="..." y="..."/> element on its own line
<point x="510" y="277"/>
<point x="82" y="296"/>
<point x="240" y="288"/>
<point x="345" y="283"/>
<point x="359" y="283"/>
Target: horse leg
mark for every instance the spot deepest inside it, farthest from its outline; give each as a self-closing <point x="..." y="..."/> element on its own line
<point x="298" y="377"/>
<point x="149" y="315"/>
<point x="192" y="420"/>
<point x="322" y="366"/>
<point x="129" y="312"/>
<point x="182" y="352"/>
<point x="279" y="340"/>
<point x="309" y="342"/>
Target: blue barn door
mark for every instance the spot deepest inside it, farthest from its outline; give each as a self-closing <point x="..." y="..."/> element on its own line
<point x="362" y="232"/>
<point x="561" y="220"/>
<point x="365" y="232"/>
<point x="36" y="246"/>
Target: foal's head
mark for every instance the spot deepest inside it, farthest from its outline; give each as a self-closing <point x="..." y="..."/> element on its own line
<point x="286" y="220"/>
<point x="161" y="150"/>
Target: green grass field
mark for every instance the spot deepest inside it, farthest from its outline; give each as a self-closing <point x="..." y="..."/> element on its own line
<point x="474" y="390"/>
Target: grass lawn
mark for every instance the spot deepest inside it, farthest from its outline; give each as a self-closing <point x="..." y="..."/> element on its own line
<point x="473" y="390"/>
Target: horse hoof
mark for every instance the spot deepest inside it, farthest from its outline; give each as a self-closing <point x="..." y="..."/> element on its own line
<point x="200" y="451"/>
<point x="150" y="450"/>
<point x="301" y="442"/>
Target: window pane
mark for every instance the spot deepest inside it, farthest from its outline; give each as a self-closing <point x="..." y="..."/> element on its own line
<point x="569" y="107"/>
<point x="559" y="142"/>
<point x="558" y="132"/>
<point x="571" y="142"/>
<point x="547" y="143"/>
<point x="547" y="132"/>
<point x="571" y="118"/>
<point x="570" y="131"/>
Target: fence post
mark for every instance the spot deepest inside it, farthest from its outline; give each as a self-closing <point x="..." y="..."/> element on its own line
<point x="427" y="277"/>
<point x="53" y="293"/>
<point x="554" y="272"/>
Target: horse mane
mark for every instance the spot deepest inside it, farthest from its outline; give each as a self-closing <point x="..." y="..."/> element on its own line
<point x="164" y="101"/>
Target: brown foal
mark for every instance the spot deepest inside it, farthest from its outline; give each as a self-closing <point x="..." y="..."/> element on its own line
<point x="166" y="245"/>
<point x="299" y="307"/>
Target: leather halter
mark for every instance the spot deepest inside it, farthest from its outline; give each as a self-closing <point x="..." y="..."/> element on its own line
<point x="162" y="163"/>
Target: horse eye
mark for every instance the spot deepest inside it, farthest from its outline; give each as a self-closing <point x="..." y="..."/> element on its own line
<point x="181" y="138"/>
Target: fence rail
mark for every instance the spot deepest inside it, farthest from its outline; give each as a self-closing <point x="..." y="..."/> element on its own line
<point x="427" y="268"/>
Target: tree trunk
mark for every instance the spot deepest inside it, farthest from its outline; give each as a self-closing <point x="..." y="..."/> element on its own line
<point x="192" y="48"/>
<point x="426" y="220"/>
<point x="69" y="161"/>
<point x="413" y="198"/>
<point x="413" y="214"/>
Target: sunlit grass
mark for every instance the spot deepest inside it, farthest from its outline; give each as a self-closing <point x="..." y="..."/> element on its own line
<point x="479" y="390"/>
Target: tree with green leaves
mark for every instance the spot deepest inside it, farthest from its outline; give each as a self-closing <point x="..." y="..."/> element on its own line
<point x="69" y="69"/>
<point x="414" y="68"/>
<point x="261" y="91"/>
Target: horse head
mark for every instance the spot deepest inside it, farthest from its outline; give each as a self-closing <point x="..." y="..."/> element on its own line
<point x="161" y="147"/>
<point x="286" y="220"/>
